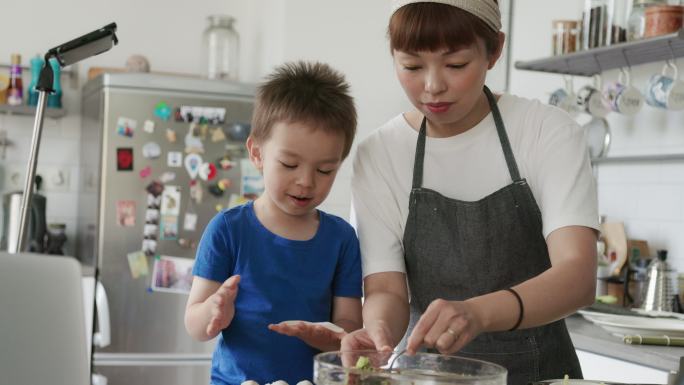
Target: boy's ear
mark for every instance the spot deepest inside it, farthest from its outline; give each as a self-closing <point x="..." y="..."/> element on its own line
<point x="255" y="153"/>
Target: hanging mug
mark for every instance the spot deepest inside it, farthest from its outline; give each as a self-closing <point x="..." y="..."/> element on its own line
<point x="622" y="97"/>
<point x="590" y="99"/>
<point x="565" y="98"/>
<point x="665" y="91"/>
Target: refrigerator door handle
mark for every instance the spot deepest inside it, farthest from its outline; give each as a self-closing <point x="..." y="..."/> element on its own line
<point x="102" y="337"/>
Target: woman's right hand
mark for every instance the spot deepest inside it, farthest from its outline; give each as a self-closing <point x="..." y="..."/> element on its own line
<point x="372" y="337"/>
<point x="222" y="306"/>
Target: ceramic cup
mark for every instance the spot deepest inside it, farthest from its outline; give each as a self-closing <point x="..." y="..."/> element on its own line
<point x="666" y="91"/>
<point x="622" y="97"/>
<point x="590" y="100"/>
<point x="565" y="98"/>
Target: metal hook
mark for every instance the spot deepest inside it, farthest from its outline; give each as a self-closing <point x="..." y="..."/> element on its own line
<point x="598" y="63"/>
<point x="624" y="55"/>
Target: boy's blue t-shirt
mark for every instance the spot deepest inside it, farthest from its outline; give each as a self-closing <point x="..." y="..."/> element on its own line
<point x="281" y="280"/>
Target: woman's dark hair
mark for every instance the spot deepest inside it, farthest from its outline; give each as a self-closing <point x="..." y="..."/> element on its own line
<point x="433" y="26"/>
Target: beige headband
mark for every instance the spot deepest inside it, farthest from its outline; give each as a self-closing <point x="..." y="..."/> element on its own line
<point x="486" y="10"/>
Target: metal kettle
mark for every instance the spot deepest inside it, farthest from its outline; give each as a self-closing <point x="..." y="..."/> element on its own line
<point x="660" y="290"/>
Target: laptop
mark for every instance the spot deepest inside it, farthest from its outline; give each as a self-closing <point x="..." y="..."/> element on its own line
<point x="42" y="326"/>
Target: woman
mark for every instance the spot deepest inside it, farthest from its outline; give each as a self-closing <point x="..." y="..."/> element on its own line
<point x="484" y="205"/>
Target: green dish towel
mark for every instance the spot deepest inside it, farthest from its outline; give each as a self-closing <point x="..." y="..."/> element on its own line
<point x="653" y="340"/>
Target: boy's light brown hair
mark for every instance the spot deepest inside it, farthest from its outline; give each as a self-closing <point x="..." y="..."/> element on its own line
<point x="305" y="92"/>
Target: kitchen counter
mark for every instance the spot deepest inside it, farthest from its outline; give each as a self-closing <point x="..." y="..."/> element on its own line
<point x="593" y="339"/>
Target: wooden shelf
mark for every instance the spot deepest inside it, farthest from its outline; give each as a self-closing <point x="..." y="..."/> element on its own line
<point x="28" y="110"/>
<point x="639" y="159"/>
<point x="596" y="60"/>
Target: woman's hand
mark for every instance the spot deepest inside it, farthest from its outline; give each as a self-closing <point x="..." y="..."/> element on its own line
<point x="372" y="337"/>
<point x="446" y="326"/>
<point x="314" y="335"/>
<point x="222" y="306"/>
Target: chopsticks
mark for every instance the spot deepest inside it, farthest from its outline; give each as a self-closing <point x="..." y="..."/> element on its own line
<point x="664" y="340"/>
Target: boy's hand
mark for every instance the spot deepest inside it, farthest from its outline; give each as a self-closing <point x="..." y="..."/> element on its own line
<point x="222" y="306"/>
<point x="314" y="335"/>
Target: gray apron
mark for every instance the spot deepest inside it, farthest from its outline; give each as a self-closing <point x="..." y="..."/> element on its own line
<point x="456" y="250"/>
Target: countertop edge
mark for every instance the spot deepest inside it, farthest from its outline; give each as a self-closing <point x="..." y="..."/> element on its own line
<point x="593" y="339"/>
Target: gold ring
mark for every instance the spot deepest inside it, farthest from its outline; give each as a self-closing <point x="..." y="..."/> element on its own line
<point x="453" y="333"/>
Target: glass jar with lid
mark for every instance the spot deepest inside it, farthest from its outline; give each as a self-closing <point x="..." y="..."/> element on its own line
<point x="565" y="36"/>
<point x="637" y="18"/>
<point x="220" y="48"/>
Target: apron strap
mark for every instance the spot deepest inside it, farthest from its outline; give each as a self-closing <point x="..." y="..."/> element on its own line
<point x="500" y="129"/>
<point x="503" y="137"/>
<point x="420" y="155"/>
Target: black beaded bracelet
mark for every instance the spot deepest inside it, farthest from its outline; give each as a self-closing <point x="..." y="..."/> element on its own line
<point x="522" y="309"/>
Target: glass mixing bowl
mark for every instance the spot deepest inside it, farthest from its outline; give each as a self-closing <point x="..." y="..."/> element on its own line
<point x="333" y="368"/>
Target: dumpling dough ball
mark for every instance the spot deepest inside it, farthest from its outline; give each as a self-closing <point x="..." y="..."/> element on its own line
<point x="250" y="382"/>
<point x="279" y="382"/>
<point x="305" y="382"/>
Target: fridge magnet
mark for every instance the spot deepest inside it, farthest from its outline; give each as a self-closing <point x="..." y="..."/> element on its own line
<point x="193" y="144"/>
<point x="187" y="243"/>
<point x="150" y="231"/>
<point x="207" y="171"/>
<point x="236" y="200"/>
<point x="224" y="184"/>
<point x="137" y="263"/>
<point x="252" y="186"/>
<point x="167" y="177"/>
<point x="124" y="159"/>
<point x="149" y="247"/>
<point x="190" y="222"/>
<point x="215" y="190"/>
<point x="247" y="168"/>
<point x="155" y="188"/>
<point x="170" y="202"/>
<point x="125" y="213"/>
<point x="145" y="172"/>
<point x="218" y="208"/>
<point x="172" y="274"/>
<point x="174" y="159"/>
<point x="153" y="202"/>
<point x="196" y="192"/>
<point x="148" y="126"/>
<point x="162" y="111"/>
<point x="151" y="150"/>
<point x="225" y="163"/>
<point x="151" y="216"/>
<point x="125" y="126"/>
<point x="217" y="135"/>
<point x="203" y="131"/>
<point x="192" y="164"/>
<point x="168" y="228"/>
<point x="170" y="135"/>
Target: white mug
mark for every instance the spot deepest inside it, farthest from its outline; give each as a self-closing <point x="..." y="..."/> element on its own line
<point x="565" y="98"/>
<point x="590" y="99"/>
<point x="622" y="97"/>
<point x="665" y="91"/>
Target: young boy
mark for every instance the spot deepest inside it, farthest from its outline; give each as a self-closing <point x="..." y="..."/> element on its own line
<point x="279" y="258"/>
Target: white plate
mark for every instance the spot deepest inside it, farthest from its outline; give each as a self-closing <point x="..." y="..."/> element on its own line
<point x="624" y="324"/>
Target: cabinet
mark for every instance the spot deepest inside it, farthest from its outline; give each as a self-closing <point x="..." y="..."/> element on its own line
<point x="607" y="369"/>
<point x="594" y="61"/>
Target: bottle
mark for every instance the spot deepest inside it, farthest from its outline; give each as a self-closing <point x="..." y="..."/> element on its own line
<point x="15" y="92"/>
<point x="55" y="98"/>
<point x="36" y="65"/>
<point x="220" y="48"/>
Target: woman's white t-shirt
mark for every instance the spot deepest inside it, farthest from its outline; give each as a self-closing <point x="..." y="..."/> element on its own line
<point x="549" y="148"/>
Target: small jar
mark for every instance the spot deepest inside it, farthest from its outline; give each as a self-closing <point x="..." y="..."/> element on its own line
<point x="220" y="48"/>
<point x="565" y="36"/>
<point x="637" y="18"/>
<point x="663" y="20"/>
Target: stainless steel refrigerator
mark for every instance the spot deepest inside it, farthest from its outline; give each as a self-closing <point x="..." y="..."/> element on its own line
<point x="139" y="335"/>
